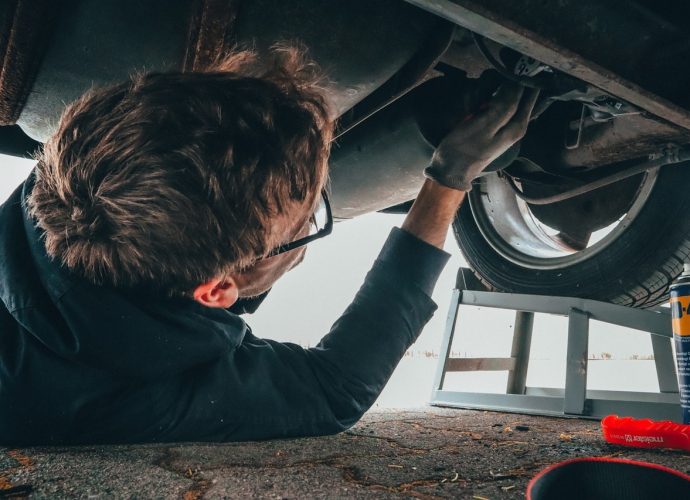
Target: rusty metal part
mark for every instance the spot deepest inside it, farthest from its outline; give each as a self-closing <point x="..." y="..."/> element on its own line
<point x="211" y="32"/>
<point x="22" y="45"/>
<point x="620" y="139"/>
<point x="591" y="40"/>
<point x="616" y="140"/>
<point x="610" y="175"/>
<point x="586" y="213"/>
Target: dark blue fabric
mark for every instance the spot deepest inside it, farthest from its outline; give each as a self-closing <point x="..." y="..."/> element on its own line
<point x="87" y="364"/>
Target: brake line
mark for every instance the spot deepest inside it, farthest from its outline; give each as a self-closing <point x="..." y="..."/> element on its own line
<point x="668" y="157"/>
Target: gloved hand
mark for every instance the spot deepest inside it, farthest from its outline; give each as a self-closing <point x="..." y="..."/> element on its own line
<point x="478" y="140"/>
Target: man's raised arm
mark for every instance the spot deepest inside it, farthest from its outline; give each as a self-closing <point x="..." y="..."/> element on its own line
<point x="266" y="389"/>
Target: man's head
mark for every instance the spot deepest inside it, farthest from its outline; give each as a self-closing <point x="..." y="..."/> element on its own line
<point x="170" y="182"/>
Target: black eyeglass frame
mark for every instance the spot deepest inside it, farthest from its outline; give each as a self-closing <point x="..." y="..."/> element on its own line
<point x="327" y="229"/>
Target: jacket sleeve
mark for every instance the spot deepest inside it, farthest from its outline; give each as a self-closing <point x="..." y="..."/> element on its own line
<point x="266" y="389"/>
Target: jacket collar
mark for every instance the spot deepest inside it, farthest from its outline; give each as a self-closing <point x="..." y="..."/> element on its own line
<point x="140" y="336"/>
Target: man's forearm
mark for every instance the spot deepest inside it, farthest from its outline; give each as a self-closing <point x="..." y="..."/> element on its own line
<point x="433" y="212"/>
<point x="463" y="155"/>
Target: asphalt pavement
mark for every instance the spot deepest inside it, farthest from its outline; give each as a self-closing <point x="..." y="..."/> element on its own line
<point x="425" y="453"/>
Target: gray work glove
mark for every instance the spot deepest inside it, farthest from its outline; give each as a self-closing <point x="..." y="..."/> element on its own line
<point x="478" y="140"/>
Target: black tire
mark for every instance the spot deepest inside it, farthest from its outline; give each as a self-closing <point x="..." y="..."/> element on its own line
<point x="635" y="269"/>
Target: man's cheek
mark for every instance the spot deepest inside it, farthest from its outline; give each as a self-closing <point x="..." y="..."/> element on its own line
<point x="299" y="259"/>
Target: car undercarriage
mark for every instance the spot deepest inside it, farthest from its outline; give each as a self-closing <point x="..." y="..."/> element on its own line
<point x="591" y="203"/>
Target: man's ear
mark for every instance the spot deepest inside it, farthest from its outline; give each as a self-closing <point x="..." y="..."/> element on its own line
<point x="217" y="293"/>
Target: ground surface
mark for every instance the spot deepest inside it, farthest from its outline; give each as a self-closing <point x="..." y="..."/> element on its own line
<point x="427" y="453"/>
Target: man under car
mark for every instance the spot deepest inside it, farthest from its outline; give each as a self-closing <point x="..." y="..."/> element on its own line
<point x="159" y="207"/>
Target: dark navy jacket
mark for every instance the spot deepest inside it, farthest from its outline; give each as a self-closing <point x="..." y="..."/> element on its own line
<point x="87" y="364"/>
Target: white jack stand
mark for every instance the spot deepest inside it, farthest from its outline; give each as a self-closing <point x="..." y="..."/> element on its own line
<point x="575" y="400"/>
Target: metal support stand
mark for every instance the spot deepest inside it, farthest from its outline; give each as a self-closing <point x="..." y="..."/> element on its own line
<point x="522" y="343"/>
<point x="575" y="400"/>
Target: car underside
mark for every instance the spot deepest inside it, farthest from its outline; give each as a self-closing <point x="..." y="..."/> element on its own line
<point x="591" y="203"/>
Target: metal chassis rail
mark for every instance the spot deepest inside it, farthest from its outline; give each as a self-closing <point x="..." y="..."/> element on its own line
<point x="589" y="39"/>
<point x="574" y="400"/>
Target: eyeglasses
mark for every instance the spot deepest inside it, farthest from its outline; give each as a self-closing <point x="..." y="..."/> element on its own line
<point x="320" y="225"/>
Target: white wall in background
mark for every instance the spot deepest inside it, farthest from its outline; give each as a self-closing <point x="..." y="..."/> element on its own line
<point x="12" y="172"/>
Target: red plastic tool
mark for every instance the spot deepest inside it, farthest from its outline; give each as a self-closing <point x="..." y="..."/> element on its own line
<point x="645" y="433"/>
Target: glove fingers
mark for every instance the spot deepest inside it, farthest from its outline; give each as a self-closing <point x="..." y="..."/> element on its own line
<point x="502" y="108"/>
<point x="517" y="126"/>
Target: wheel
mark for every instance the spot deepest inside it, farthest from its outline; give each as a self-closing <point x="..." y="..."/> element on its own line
<point x="632" y="256"/>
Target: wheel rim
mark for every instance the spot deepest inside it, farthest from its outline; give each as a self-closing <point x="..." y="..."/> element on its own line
<point x="508" y="225"/>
